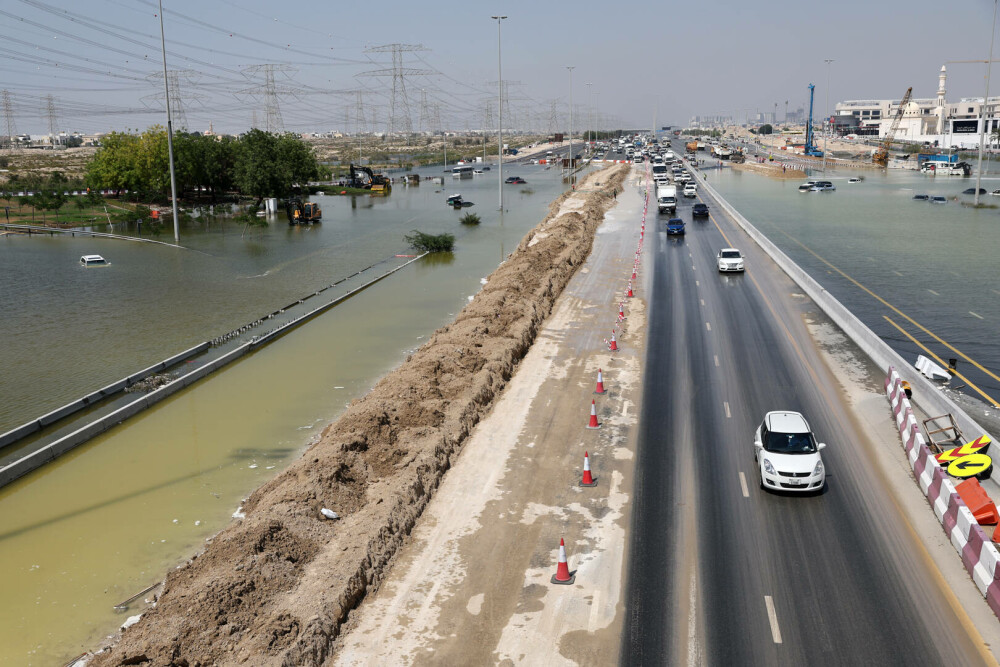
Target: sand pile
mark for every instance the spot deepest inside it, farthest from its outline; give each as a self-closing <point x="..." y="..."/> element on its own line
<point x="275" y="587"/>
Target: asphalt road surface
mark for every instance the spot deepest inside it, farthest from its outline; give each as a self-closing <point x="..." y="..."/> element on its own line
<point x="721" y="572"/>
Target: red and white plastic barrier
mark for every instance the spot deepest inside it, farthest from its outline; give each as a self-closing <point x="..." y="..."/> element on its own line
<point x="979" y="555"/>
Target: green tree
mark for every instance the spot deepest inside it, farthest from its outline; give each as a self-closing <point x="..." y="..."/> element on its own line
<point x="765" y="129"/>
<point x="268" y="165"/>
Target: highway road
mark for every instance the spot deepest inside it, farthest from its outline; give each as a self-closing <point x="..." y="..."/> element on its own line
<point x="721" y="572"/>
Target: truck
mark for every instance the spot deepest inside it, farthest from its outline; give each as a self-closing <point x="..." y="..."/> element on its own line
<point x="666" y="198"/>
<point x="675" y="226"/>
<point x="691" y="146"/>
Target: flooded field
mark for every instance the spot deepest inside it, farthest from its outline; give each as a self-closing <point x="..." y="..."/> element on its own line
<point x="104" y="522"/>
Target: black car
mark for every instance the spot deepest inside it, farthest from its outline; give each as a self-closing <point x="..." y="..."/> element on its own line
<point x="972" y="191"/>
<point x="511" y="179"/>
<point x="699" y="211"/>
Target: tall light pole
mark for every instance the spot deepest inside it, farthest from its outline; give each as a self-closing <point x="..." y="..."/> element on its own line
<point x="827" y="118"/>
<point x="170" y="132"/>
<point x="498" y="19"/>
<point x="986" y="99"/>
<point x="590" y="113"/>
<point x="571" y="68"/>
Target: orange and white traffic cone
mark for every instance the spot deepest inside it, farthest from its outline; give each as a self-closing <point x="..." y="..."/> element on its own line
<point x="613" y="346"/>
<point x="621" y="312"/>
<point x="563" y="575"/>
<point x="600" y="382"/>
<point x="630" y="295"/>
<point x="593" y="416"/>
<point x="587" y="480"/>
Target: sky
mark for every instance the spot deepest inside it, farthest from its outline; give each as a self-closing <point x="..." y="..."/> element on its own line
<point x="96" y="66"/>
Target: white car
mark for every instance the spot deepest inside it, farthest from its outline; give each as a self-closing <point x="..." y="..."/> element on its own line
<point x="682" y="177"/>
<point x="729" y="259"/>
<point x="787" y="454"/>
<point x="690" y="190"/>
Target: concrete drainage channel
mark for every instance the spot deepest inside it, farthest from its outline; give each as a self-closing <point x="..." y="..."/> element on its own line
<point x="110" y="405"/>
<point x="979" y="556"/>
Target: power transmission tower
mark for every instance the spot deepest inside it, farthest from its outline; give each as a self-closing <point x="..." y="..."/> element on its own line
<point x="177" y="106"/>
<point x="268" y="91"/>
<point x="253" y="119"/>
<point x="553" y="116"/>
<point x="423" y="111"/>
<point x="399" y="104"/>
<point x="50" y="112"/>
<point x="10" y="140"/>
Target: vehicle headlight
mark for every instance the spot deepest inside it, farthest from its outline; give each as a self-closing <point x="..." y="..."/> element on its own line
<point x="818" y="470"/>
<point x="768" y="468"/>
<point x="739" y="265"/>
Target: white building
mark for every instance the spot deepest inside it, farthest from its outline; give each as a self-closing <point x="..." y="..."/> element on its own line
<point x="931" y="120"/>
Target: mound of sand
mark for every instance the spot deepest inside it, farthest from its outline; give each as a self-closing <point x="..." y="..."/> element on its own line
<point x="275" y="587"/>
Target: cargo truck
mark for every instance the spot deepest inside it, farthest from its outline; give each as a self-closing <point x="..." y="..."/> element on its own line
<point x="666" y="198"/>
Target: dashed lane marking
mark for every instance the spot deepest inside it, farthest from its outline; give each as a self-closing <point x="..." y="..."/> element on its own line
<point x="933" y="292"/>
<point x="743" y="485"/>
<point x="708" y="326"/>
<point x="898" y="274"/>
<point x="625" y="409"/>
<point x="716" y="360"/>
<point x="702" y="301"/>
<point x="976" y="315"/>
<point x="772" y="618"/>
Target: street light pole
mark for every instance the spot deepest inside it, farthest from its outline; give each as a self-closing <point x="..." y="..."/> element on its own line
<point x="498" y="19"/>
<point x="170" y="132"/>
<point x="986" y="99"/>
<point x="590" y="113"/>
<point x="571" y="68"/>
<point x="827" y="133"/>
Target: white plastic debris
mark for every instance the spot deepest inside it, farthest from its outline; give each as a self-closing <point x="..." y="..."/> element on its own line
<point x="239" y="514"/>
<point x="329" y="514"/>
<point x="131" y="620"/>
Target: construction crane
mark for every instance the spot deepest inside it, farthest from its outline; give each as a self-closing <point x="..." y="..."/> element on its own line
<point x="881" y="155"/>
<point x="810" y="148"/>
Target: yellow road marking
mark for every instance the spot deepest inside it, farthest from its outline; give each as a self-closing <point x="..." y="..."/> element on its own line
<point x="894" y="309"/>
<point x="942" y="362"/>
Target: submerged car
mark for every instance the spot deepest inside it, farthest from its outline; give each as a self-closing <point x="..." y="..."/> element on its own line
<point x="729" y="259"/>
<point x="787" y="454"/>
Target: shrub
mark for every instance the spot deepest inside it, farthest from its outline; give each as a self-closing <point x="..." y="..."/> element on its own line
<point x="430" y="242"/>
<point x="470" y="219"/>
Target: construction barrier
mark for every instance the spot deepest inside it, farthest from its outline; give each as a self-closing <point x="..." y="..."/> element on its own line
<point x="979" y="555"/>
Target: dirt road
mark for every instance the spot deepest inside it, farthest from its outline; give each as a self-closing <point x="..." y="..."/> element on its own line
<point x="472" y="586"/>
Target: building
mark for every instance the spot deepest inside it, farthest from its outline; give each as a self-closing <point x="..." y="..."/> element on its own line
<point x="931" y="120"/>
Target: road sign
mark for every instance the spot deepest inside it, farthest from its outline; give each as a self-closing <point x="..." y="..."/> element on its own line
<point x="972" y="465"/>
<point x="980" y="444"/>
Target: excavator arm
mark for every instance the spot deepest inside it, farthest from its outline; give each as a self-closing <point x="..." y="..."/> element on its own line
<point x="881" y="156"/>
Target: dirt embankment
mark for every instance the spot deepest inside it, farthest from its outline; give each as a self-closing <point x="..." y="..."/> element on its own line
<point x="772" y="169"/>
<point x="275" y="587"/>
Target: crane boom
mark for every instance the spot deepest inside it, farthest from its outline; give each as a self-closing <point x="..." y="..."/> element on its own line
<point x="881" y="156"/>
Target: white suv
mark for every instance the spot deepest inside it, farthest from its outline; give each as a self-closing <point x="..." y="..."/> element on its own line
<point x="729" y="259"/>
<point x="787" y="454"/>
<point x="690" y="190"/>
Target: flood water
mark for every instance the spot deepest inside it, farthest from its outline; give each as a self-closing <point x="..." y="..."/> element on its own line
<point x="103" y="522"/>
<point x="936" y="263"/>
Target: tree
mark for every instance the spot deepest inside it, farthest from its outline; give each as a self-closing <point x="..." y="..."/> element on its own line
<point x="268" y="165"/>
<point x="765" y="129"/>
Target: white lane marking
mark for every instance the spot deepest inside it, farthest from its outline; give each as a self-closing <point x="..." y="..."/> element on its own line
<point x="595" y="605"/>
<point x="708" y="326"/>
<point x="726" y="404"/>
<point x="625" y="409"/>
<point x="898" y="273"/>
<point x="702" y="301"/>
<point x="995" y="291"/>
<point x="772" y="618"/>
<point x="976" y="315"/>
<point x="743" y="485"/>
<point x="697" y="283"/>
<point x="693" y="621"/>
<point x="716" y="360"/>
<point x="933" y="292"/>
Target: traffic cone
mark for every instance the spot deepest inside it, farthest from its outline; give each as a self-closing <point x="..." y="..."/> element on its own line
<point x="633" y="273"/>
<point x="600" y="382"/>
<point x="593" y="415"/>
<point x="587" y="480"/>
<point x="630" y="295"/>
<point x="621" y="312"/>
<point x="562" y="575"/>
<point x="614" y="345"/>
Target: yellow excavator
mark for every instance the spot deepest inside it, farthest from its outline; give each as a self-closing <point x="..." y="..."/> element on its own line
<point x="881" y="155"/>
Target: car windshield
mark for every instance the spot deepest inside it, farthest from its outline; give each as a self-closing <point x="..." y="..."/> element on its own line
<point x="730" y="254"/>
<point x="790" y="443"/>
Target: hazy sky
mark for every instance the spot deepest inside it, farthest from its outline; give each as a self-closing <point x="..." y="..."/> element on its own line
<point x="100" y="59"/>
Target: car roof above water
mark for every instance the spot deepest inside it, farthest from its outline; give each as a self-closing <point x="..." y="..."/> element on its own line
<point x="786" y="422"/>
